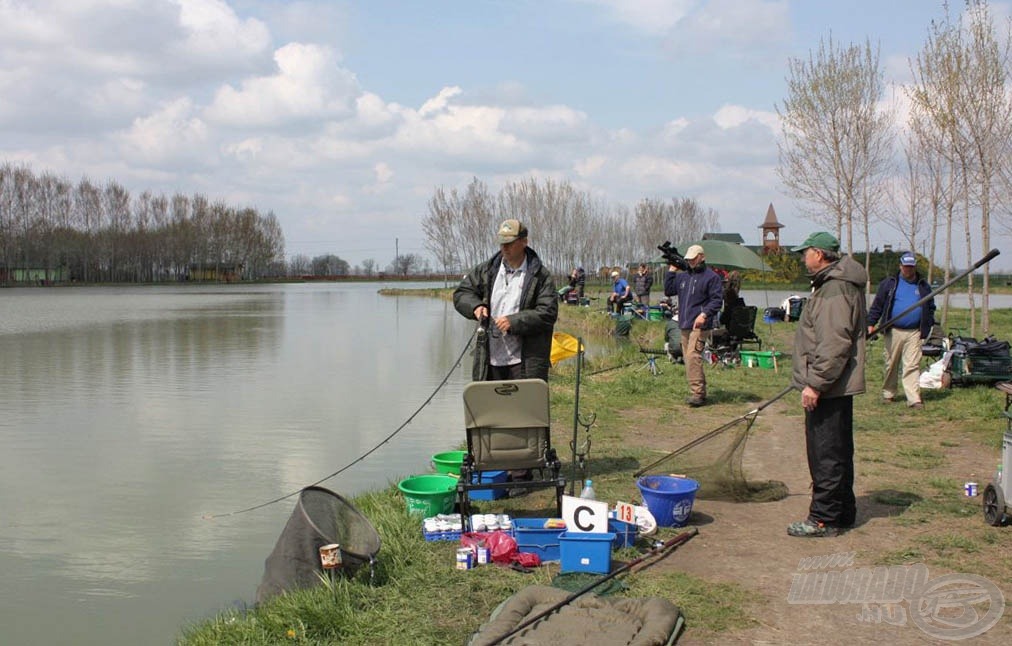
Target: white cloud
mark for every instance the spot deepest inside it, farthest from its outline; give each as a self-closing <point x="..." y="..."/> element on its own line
<point x="731" y="28"/>
<point x="732" y="116"/>
<point x="213" y="31"/>
<point x="650" y="16"/>
<point x="308" y="85"/>
<point x="171" y="135"/>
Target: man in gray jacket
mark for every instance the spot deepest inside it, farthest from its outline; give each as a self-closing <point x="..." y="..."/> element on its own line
<point x="828" y="369"/>
<point x="512" y="295"/>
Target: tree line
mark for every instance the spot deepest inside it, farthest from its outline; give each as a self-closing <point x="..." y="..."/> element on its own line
<point x="100" y="233"/>
<point x="569" y="227"/>
<point x="941" y="177"/>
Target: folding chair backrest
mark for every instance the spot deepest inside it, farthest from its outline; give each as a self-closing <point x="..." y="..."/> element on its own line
<point x="508" y="423"/>
<point x="741" y="322"/>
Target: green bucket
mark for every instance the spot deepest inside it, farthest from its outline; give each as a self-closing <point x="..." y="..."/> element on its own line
<point x="448" y="462"/>
<point x="429" y="495"/>
<point x="655" y="314"/>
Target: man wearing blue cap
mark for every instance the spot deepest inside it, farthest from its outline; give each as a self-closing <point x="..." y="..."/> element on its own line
<point x="896" y="294"/>
<point x="828" y="369"/>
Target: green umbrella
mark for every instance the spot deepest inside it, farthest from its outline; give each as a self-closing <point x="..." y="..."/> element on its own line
<point x="726" y="255"/>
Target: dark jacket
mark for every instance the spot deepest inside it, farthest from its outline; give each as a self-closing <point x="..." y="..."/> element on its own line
<point x="698" y="290"/>
<point x="829" y="342"/>
<point x="882" y="307"/>
<point x="534" y="323"/>
<point x="642" y="283"/>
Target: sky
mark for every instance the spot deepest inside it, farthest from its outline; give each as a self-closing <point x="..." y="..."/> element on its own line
<point x="342" y="118"/>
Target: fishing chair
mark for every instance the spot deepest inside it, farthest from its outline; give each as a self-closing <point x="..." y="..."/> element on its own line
<point x="738" y="330"/>
<point x="508" y="426"/>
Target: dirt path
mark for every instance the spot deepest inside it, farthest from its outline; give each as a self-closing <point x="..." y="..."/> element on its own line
<point x="746" y="543"/>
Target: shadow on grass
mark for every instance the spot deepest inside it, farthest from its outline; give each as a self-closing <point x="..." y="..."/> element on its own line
<point x="884" y="503"/>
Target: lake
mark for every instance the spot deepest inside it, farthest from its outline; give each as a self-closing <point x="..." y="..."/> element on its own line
<point x="130" y="413"/>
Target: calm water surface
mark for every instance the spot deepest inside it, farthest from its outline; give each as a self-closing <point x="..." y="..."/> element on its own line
<point x="130" y="413"/>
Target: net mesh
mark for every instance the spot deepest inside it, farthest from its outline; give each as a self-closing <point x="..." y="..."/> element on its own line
<point x="714" y="460"/>
<point x="321" y="517"/>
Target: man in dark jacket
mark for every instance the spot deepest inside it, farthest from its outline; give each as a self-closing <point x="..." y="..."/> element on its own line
<point x="642" y="282"/>
<point x="904" y="338"/>
<point x="700" y="294"/>
<point x="828" y="369"/>
<point x="516" y="294"/>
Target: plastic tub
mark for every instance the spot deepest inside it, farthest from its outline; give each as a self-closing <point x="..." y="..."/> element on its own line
<point x="448" y="461"/>
<point x="752" y="359"/>
<point x="429" y="495"/>
<point x="586" y="552"/>
<point x="669" y="498"/>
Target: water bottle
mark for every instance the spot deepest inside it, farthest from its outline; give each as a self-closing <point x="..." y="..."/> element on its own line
<point x="588" y="490"/>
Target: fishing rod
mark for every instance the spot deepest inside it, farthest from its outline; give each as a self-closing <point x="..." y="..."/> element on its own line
<point x="717" y="431"/>
<point x="661" y="550"/>
<point x="977" y="265"/>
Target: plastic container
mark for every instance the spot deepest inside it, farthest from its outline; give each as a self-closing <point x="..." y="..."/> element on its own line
<point x="625" y="533"/>
<point x="754" y="359"/>
<point x="429" y="495"/>
<point x="669" y="498"/>
<point x="448" y="462"/>
<point x="583" y="552"/>
<point x="532" y="536"/>
<point x="488" y="477"/>
<point x="655" y="314"/>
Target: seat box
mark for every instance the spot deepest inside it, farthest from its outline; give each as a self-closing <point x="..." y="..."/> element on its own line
<point x="586" y="552"/>
<point x="532" y="536"/>
<point x="489" y="477"/>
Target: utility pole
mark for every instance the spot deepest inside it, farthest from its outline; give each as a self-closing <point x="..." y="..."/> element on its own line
<point x="397" y="253"/>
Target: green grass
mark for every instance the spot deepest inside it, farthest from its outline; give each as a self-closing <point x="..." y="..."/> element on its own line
<point x="417" y="596"/>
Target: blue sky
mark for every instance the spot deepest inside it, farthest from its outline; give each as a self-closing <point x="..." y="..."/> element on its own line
<point x="343" y="117"/>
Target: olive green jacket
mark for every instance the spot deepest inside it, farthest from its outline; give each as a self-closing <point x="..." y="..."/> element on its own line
<point x="829" y="343"/>
<point x="533" y="323"/>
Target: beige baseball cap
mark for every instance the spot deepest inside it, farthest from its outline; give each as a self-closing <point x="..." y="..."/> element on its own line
<point x="693" y="251"/>
<point x="511" y="230"/>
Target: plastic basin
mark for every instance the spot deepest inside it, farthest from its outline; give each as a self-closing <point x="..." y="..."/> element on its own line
<point x="669" y="498"/>
<point x="429" y="495"/>
<point x="448" y="461"/>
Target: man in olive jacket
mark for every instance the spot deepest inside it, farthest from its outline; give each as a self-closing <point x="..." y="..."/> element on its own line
<point x="828" y="369"/>
<point x="516" y="295"/>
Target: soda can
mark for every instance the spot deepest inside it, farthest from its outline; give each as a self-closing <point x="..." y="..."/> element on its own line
<point x="484" y="558"/>
<point x="465" y="558"/>
<point x="970" y="489"/>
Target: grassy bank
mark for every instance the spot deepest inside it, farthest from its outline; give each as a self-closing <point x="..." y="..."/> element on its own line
<point x="417" y="597"/>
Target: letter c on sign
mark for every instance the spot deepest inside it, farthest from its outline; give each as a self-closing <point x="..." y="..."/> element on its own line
<point x="580" y="524"/>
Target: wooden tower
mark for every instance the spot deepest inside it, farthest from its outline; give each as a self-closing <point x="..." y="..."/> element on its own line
<point x="771" y="232"/>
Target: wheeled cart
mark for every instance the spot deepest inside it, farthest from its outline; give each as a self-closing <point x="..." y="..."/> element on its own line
<point x="998" y="492"/>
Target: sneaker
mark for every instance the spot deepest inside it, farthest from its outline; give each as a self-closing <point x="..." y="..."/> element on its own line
<point x="808" y="529"/>
<point x="888" y="400"/>
<point x="696" y="402"/>
<point x="917" y="405"/>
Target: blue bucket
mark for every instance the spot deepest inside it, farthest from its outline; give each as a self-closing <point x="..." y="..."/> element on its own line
<point x="669" y="498"/>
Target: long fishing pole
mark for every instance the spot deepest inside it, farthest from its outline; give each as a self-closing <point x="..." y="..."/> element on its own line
<point x="878" y="330"/>
<point x="714" y="432"/>
<point x="924" y="299"/>
<point x="662" y="549"/>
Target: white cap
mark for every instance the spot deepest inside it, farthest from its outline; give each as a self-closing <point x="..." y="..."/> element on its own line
<point x="693" y="251"/>
<point x="614" y="274"/>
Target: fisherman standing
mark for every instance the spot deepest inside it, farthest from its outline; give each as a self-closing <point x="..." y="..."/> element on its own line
<point x="828" y="369"/>
<point x="515" y="293"/>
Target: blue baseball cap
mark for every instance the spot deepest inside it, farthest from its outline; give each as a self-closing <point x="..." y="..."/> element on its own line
<point x="908" y="259"/>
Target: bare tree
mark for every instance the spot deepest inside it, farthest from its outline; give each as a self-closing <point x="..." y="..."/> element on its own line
<point x="959" y="91"/>
<point x="835" y="145"/>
